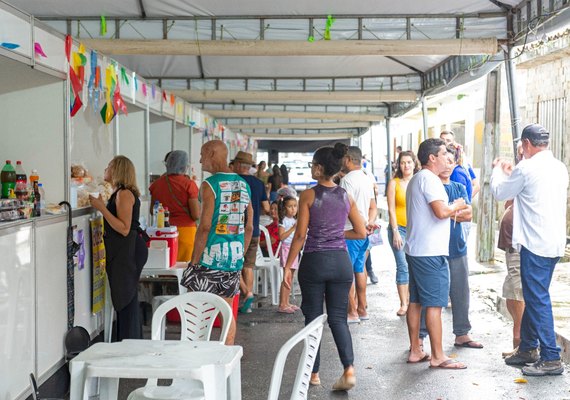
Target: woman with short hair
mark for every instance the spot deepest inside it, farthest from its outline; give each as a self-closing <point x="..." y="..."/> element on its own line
<point x="177" y="192"/>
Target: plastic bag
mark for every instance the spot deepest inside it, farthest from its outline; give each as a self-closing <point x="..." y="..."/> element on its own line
<point x="375" y="238"/>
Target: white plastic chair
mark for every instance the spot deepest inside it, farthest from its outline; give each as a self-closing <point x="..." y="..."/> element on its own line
<point x="198" y="311"/>
<point x="269" y="268"/>
<point x="311" y="336"/>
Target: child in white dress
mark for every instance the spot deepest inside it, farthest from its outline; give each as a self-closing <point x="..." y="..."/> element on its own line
<point x="288" y="222"/>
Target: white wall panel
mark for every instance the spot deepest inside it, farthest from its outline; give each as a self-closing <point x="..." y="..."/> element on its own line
<point x="51" y="275"/>
<point x="182" y="138"/>
<point x="33" y="130"/>
<point x="17" y="310"/>
<point x="160" y="144"/>
<point x="53" y="47"/>
<point x="196" y="145"/>
<point x="91" y="141"/>
<point x="15" y="29"/>
<point x="131" y="141"/>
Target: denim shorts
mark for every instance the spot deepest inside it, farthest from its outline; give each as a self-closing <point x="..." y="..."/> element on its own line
<point x="357" y="252"/>
<point x="429" y="280"/>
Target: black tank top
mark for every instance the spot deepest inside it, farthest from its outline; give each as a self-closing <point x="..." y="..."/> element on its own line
<point x="112" y="207"/>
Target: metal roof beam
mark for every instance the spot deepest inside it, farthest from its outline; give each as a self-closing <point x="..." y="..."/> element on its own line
<point x="299" y="136"/>
<point x="431" y="47"/>
<point x="272" y="17"/>
<point x="296" y="97"/>
<point x="224" y="114"/>
<point x="319" y="125"/>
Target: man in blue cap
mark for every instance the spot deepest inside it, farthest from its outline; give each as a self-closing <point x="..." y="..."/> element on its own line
<point x="538" y="185"/>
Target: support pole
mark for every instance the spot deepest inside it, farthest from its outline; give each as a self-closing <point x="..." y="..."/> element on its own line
<point x="388" y="151"/>
<point x="513" y="104"/>
<point x="424" y="118"/>
<point x="371" y="150"/>
<point x="487" y="207"/>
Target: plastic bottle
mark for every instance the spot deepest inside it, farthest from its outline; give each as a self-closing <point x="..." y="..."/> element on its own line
<point x="155" y="213"/>
<point x="34" y="177"/>
<point x="42" y="197"/>
<point x="160" y="217"/>
<point x="21" y="182"/>
<point x="8" y="178"/>
<point x="166" y="217"/>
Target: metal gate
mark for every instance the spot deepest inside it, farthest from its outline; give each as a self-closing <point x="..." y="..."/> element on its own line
<point x="552" y="115"/>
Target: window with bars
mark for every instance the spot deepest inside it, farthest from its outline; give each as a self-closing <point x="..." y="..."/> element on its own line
<point x="552" y="115"/>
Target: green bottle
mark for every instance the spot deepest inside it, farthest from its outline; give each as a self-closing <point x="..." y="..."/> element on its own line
<point x="8" y="178"/>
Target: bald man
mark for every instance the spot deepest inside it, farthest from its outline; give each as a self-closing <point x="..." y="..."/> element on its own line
<point x="226" y="225"/>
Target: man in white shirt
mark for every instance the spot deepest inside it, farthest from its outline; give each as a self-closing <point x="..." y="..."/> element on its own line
<point x="357" y="184"/>
<point x="427" y="248"/>
<point x="538" y="185"/>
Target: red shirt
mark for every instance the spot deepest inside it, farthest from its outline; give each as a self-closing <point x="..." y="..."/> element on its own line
<point x="184" y="189"/>
<point x="273" y="229"/>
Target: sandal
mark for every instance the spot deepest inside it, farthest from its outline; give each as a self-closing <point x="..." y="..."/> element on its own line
<point x="287" y="310"/>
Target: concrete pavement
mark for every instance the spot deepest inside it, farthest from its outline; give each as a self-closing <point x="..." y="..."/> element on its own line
<point x="381" y="346"/>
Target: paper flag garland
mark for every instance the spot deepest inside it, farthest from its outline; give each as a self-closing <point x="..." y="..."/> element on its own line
<point x="38" y="50"/>
<point x="329" y="23"/>
<point x="103" y="31"/>
<point x="9" y="46"/>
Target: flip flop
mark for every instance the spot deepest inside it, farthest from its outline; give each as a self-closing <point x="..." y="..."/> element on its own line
<point x="470" y="345"/>
<point x="315" y="382"/>
<point x="449" y="364"/>
<point x="294" y="307"/>
<point x="344" y="383"/>
<point x="288" y="310"/>
<point x="423" y="359"/>
<point x="363" y="317"/>
<point x="246" y="307"/>
<point x="353" y="320"/>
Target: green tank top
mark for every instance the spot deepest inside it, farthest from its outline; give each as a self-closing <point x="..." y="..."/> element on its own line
<point x="224" y="249"/>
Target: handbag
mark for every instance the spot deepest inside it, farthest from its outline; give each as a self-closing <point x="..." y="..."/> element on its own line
<point x="185" y="208"/>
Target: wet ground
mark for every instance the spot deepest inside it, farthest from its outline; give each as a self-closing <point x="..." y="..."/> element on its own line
<point x="381" y="346"/>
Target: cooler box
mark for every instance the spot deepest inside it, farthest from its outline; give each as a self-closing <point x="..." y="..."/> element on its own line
<point x="174" y="316"/>
<point x="170" y="236"/>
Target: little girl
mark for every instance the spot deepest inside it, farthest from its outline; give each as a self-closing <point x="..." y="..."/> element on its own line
<point x="273" y="230"/>
<point x="288" y="222"/>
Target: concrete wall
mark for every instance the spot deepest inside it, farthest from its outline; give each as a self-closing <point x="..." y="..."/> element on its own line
<point x="546" y="81"/>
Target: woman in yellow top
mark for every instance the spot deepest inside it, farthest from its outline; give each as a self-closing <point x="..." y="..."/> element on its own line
<point x="406" y="166"/>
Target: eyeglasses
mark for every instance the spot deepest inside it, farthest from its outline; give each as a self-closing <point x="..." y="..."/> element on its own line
<point x="310" y="164"/>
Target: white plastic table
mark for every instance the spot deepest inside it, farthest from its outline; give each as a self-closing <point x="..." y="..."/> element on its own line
<point x="216" y="365"/>
<point x="177" y="271"/>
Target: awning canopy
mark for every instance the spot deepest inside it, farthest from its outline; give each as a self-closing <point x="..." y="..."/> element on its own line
<point x="288" y="66"/>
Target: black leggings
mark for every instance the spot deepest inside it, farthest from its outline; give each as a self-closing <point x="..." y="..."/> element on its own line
<point x="326" y="277"/>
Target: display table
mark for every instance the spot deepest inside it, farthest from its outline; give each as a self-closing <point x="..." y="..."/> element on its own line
<point x="217" y="366"/>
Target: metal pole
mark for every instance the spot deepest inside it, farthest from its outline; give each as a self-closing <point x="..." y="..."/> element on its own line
<point x="512" y="92"/>
<point x="371" y="150"/>
<point x="424" y="118"/>
<point x="388" y="152"/>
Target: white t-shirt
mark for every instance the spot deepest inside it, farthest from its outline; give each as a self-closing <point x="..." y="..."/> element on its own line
<point x="287" y="223"/>
<point x="358" y="185"/>
<point x="539" y="186"/>
<point x="426" y="234"/>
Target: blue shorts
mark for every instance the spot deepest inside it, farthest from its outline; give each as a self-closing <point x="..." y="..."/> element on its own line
<point x="357" y="251"/>
<point x="429" y="280"/>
